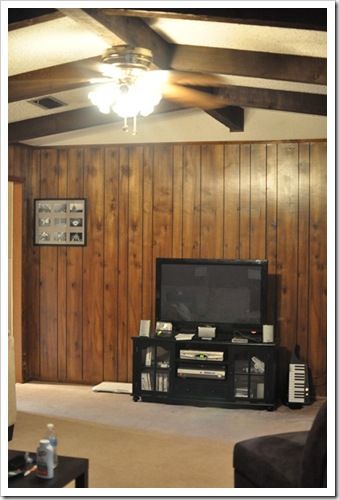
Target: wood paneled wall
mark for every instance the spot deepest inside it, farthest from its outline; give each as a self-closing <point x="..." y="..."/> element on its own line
<point x="82" y="305"/>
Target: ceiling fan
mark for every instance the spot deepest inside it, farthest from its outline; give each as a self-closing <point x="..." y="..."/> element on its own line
<point x="130" y="85"/>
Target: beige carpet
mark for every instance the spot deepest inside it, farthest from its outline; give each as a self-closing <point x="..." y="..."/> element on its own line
<point x="123" y="458"/>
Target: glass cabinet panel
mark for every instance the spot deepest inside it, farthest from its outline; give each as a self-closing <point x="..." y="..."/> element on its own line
<point x="155" y="362"/>
<point x="249" y="376"/>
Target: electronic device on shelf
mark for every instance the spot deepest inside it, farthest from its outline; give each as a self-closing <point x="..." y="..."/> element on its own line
<point x="228" y="294"/>
<point x="164" y="328"/>
<point x="201" y="355"/>
<point x="201" y="373"/>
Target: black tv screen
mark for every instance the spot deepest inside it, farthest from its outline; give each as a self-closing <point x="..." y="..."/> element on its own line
<point x="229" y="294"/>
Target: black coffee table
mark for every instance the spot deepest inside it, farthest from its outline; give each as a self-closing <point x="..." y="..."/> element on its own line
<point x="68" y="469"/>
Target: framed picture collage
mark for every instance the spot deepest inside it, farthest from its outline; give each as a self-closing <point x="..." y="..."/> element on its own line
<point x="60" y="222"/>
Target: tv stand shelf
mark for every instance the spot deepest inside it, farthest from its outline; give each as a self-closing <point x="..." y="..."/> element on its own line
<point x="204" y="373"/>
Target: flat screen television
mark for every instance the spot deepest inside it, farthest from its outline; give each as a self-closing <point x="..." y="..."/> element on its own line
<point x="227" y="294"/>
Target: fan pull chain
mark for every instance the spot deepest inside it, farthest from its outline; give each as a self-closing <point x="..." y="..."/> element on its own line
<point x="125" y="127"/>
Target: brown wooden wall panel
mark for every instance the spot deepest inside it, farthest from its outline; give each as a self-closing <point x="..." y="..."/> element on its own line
<point x="147" y="236"/>
<point x="74" y="270"/>
<point x="232" y="202"/>
<point x="317" y="275"/>
<point x="123" y="334"/>
<point x="244" y="200"/>
<point x="258" y="200"/>
<point x="93" y="266"/>
<point x="135" y="249"/>
<point x="49" y="276"/>
<point x="191" y="201"/>
<point x="62" y="276"/>
<point x="212" y="202"/>
<point x="111" y="237"/>
<point x="271" y="230"/>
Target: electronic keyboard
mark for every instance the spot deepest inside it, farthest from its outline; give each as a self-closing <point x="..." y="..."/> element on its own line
<point x="298" y="382"/>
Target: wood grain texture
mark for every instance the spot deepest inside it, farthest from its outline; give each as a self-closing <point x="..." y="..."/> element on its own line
<point x="192" y="200"/>
<point x="212" y="203"/>
<point x="74" y="287"/>
<point x="111" y="234"/>
<point x="93" y="266"/>
<point x="49" y="277"/>
<point x="317" y="279"/>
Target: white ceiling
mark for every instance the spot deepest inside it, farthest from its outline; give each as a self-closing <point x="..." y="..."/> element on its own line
<point x="64" y="40"/>
<point x="242" y="36"/>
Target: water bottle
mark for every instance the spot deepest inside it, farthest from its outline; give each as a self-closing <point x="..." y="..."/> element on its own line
<point x="53" y="440"/>
<point x="44" y="460"/>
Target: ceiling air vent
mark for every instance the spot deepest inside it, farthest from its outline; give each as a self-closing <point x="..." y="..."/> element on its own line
<point x="48" y="102"/>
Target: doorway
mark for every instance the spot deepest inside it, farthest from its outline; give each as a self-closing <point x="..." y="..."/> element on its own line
<point x="15" y="213"/>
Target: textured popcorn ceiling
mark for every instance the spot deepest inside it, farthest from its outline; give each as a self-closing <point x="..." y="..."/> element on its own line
<point x="241" y="36"/>
<point x="47" y="44"/>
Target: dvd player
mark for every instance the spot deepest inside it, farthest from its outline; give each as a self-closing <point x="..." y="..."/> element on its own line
<point x="201" y="355"/>
<point x="200" y="373"/>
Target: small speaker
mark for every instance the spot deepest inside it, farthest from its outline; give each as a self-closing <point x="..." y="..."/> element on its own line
<point x="268" y="333"/>
<point x="145" y="327"/>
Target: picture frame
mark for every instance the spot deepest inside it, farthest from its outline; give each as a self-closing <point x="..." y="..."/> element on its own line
<point x="60" y="221"/>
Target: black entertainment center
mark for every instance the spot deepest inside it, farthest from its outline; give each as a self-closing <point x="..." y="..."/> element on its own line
<point x="207" y="347"/>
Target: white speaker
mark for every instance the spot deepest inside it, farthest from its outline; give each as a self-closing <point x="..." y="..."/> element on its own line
<point x="145" y="326"/>
<point x="268" y="333"/>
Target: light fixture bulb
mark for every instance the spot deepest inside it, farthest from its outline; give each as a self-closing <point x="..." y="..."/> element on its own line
<point x="132" y="90"/>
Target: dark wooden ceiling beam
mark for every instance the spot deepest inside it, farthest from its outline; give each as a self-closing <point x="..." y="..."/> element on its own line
<point x="280" y="100"/>
<point x="18" y="22"/>
<point x="230" y="96"/>
<point x="310" y="19"/>
<point x="299" y="18"/>
<point x="54" y="79"/>
<point x="69" y="121"/>
<point x="186" y="58"/>
<point x="130" y="30"/>
<point x="230" y="116"/>
<point x="249" y="63"/>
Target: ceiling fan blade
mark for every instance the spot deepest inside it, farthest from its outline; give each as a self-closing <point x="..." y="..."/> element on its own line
<point x="196" y="79"/>
<point x="53" y="79"/>
<point x="190" y="97"/>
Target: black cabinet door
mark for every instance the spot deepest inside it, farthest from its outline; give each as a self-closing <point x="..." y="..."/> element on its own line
<point x="253" y="374"/>
<point x="152" y="365"/>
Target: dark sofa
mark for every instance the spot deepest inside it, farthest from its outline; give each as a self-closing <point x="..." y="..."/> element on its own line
<point x="288" y="460"/>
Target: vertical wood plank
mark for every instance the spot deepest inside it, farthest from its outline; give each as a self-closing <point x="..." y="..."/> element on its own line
<point x="135" y="249"/>
<point x="111" y="239"/>
<point x="62" y="276"/>
<point x="317" y="284"/>
<point x="258" y="202"/>
<point x="191" y="191"/>
<point x="148" y="296"/>
<point x="49" y="277"/>
<point x="163" y="200"/>
<point x="245" y="196"/>
<point x="232" y="202"/>
<point x="177" y="242"/>
<point x="31" y="272"/>
<point x="287" y="241"/>
<point x="123" y="265"/>
<point x="271" y="232"/>
<point x="303" y="248"/>
<point x="212" y="208"/>
<point x="93" y="267"/>
<point x="17" y="275"/>
<point x="74" y="271"/>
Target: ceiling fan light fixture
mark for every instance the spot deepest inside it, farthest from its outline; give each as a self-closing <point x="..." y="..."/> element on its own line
<point x="132" y="89"/>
